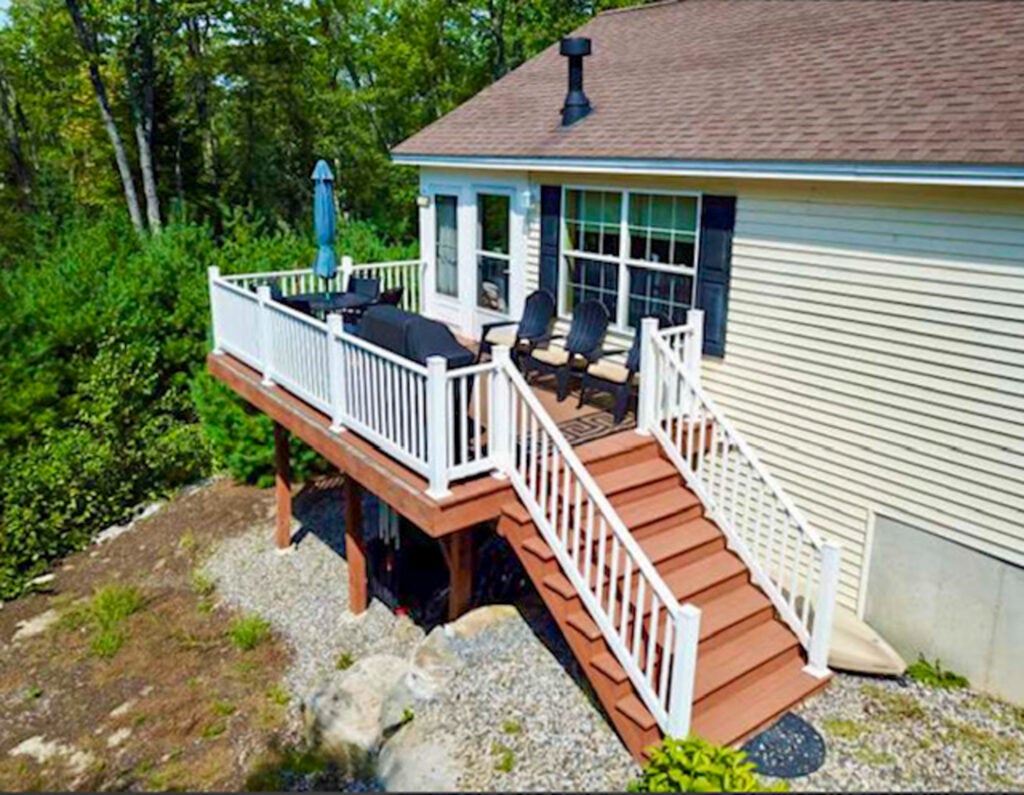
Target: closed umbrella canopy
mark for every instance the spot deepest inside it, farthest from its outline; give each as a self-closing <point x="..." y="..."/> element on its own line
<point x="324" y="221"/>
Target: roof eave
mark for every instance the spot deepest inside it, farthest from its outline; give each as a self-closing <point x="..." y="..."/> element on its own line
<point x="953" y="174"/>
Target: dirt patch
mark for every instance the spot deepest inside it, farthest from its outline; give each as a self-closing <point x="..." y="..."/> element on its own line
<point x="165" y="699"/>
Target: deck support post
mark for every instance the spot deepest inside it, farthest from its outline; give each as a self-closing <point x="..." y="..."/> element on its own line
<point x="647" y="397"/>
<point x="438" y="427"/>
<point x="824" y="611"/>
<point x="686" y="629"/>
<point x="282" y="486"/>
<point x="355" y="548"/>
<point x="458" y="554"/>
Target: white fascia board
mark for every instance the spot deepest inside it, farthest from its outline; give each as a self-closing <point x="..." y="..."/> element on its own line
<point x="913" y="174"/>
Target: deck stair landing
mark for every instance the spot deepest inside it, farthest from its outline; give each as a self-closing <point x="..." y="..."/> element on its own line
<point x="749" y="662"/>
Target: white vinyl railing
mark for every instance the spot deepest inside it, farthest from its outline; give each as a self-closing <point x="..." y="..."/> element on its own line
<point x="427" y="417"/>
<point x="796" y="569"/>
<point x="406" y="274"/>
<point x="652" y="636"/>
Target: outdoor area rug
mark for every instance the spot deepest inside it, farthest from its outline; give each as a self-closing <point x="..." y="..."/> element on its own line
<point x="790" y="748"/>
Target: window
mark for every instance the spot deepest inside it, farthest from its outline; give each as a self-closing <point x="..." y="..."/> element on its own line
<point x="492" y="255"/>
<point x="446" y="253"/>
<point x="643" y="243"/>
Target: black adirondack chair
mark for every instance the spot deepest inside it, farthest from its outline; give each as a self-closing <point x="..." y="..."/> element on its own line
<point x="392" y="297"/>
<point x="534" y="327"/>
<point x="582" y="346"/>
<point x="277" y="294"/>
<point x="616" y="377"/>
<point x="364" y="285"/>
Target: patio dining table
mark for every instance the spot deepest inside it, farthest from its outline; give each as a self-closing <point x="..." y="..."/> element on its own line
<point x="320" y="303"/>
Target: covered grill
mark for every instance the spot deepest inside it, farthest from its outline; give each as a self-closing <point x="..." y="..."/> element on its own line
<point x="412" y="336"/>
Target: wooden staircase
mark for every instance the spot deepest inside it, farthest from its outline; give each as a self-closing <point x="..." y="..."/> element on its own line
<point x="749" y="663"/>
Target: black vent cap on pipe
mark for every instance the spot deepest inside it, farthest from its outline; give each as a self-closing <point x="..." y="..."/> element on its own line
<point x="576" y="103"/>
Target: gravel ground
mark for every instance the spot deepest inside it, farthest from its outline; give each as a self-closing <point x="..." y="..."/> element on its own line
<point x="891" y="735"/>
<point x="510" y="679"/>
<point x="882" y="734"/>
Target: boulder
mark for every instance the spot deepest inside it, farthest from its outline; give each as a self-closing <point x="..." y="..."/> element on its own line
<point x="476" y="621"/>
<point x="343" y="716"/>
<point x="433" y="665"/>
<point x="418" y="760"/>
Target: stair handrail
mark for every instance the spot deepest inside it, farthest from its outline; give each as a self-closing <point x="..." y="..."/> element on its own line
<point x="675" y="404"/>
<point x="668" y="691"/>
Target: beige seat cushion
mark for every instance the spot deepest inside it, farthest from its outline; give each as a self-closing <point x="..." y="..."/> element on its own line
<point x="609" y="370"/>
<point x="554" y="355"/>
<point x="503" y="335"/>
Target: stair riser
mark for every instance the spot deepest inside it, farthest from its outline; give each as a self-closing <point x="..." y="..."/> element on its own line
<point x="616" y="689"/>
<point x="593" y="646"/>
<point x="729" y="689"/>
<point x="718" y="588"/>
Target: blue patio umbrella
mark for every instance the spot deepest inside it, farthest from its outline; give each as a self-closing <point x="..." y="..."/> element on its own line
<point x="324" y="221"/>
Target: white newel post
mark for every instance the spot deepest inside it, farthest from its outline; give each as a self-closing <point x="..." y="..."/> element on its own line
<point x="686" y="626"/>
<point x="212" y="274"/>
<point x="824" y="610"/>
<point x="694" y="345"/>
<point x="438" y="427"/>
<point x="648" y="377"/>
<point x="499" y="427"/>
<point x="266" y="342"/>
<point x="335" y="371"/>
<point x="346" y="271"/>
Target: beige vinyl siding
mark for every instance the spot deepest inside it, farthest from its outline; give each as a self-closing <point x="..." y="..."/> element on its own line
<point x="875" y="355"/>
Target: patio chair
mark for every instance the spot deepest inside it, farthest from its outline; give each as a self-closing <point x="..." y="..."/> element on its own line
<point x="617" y="378"/>
<point x="581" y="348"/>
<point x="392" y="297"/>
<point x="364" y="285"/>
<point x="533" y="328"/>
<point x="277" y="294"/>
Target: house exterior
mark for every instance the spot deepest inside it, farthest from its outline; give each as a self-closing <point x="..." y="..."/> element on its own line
<point x="840" y="188"/>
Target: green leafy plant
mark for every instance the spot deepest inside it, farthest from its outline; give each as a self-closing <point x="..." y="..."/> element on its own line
<point x="511" y="727"/>
<point x="249" y="632"/>
<point x="695" y="765"/>
<point x="932" y="674"/>
<point x="105" y="616"/>
<point x="506" y="757"/>
<point x="344" y="661"/>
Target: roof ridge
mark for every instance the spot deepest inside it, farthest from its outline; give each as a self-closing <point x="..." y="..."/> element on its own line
<point x="641" y="6"/>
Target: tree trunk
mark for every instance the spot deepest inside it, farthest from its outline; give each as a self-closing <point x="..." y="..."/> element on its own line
<point x="9" y="115"/>
<point x="145" y="107"/>
<point x="88" y="43"/>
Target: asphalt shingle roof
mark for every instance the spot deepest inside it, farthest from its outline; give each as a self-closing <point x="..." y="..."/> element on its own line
<point x="898" y="81"/>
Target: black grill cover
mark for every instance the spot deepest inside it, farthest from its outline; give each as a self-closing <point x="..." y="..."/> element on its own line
<point x="412" y="336"/>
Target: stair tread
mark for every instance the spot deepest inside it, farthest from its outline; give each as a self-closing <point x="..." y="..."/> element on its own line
<point x="724" y="610"/>
<point x="740" y="655"/>
<point x="633" y="708"/>
<point x="691" y="579"/>
<point x="634" y="475"/>
<point x="582" y="621"/>
<point x="539" y="547"/>
<point x="610" y="446"/>
<point x="642" y="512"/>
<point x="672" y="541"/>
<point x="764" y="698"/>
<point x="610" y="667"/>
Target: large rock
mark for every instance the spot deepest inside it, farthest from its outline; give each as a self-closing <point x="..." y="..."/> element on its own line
<point x="434" y="663"/>
<point x="343" y="717"/>
<point x="476" y="621"/>
<point x="416" y="759"/>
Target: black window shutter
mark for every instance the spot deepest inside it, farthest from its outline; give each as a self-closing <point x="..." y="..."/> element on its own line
<point x="717" y="219"/>
<point x="550" y="224"/>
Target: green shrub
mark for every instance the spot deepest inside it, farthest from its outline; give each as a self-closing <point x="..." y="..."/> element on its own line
<point x="934" y="675"/>
<point x="694" y="765"/>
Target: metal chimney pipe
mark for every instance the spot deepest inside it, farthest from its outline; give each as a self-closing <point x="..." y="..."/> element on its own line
<point x="576" y="103"/>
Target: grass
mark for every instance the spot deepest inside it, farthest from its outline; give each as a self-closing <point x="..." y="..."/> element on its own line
<point x="202" y="585"/>
<point x="982" y="744"/>
<point x="888" y="706"/>
<point x="871" y="757"/>
<point x="278" y="695"/>
<point x="506" y="757"/>
<point x="105" y="615"/>
<point x="511" y="727"/>
<point x="33" y="692"/>
<point x="344" y="661"/>
<point x="249" y="632"/>
<point x="842" y="729"/>
<point x="224" y="708"/>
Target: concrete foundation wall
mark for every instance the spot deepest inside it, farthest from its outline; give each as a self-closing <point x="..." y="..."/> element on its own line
<point x="926" y="594"/>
